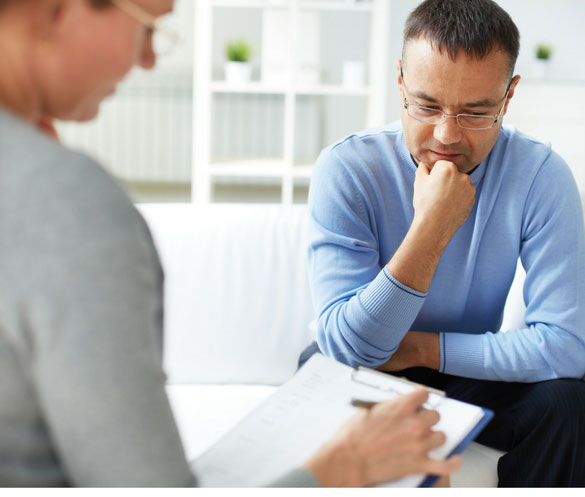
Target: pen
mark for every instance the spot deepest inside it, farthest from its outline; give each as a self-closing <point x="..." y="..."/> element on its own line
<point x="363" y="403"/>
<point x="368" y="404"/>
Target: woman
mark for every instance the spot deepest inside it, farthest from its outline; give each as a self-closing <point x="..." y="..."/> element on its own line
<point x="82" y="399"/>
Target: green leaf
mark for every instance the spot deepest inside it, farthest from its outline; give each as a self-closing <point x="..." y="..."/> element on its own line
<point x="238" y="51"/>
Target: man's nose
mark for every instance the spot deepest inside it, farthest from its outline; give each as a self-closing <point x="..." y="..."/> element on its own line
<point x="448" y="131"/>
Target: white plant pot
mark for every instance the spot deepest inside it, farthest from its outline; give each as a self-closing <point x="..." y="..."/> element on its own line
<point x="542" y="68"/>
<point x="237" y="72"/>
<point x="353" y="74"/>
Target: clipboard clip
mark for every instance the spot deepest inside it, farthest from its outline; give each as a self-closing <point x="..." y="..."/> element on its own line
<point x="368" y="377"/>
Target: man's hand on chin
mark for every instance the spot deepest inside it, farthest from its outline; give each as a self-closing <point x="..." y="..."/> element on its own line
<point x="417" y="349"/>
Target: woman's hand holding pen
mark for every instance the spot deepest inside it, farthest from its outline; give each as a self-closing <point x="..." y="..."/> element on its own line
<point x="384" y="443"/>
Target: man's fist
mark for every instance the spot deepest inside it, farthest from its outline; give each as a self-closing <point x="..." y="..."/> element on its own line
<point x="443" y="197"/>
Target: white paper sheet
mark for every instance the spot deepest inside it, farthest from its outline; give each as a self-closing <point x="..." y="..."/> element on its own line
<point x="287" y="428"/>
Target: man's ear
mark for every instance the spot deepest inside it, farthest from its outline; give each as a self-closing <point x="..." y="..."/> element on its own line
<point x="513" y="84"/>
<point x="398" y="72"/>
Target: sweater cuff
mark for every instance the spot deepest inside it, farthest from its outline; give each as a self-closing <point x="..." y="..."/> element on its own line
<point x="462" y="355"/>
<point x="390" y="302"/>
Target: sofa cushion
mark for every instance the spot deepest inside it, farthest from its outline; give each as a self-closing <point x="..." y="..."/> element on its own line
<point x="237" y="300"/>
<point x="204" y="413"/>
<point x="249" y="261"/>
<point x="249" y="264"/>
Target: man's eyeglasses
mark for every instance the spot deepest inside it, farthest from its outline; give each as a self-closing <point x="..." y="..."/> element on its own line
<point x="164" y="39"/>
<point x="429" y="115"/>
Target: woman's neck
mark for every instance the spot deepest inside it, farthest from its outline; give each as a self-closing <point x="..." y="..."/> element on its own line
<point x="18" y="93"/>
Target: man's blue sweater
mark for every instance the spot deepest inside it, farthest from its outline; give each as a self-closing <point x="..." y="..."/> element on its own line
<point x="527" y="205"/>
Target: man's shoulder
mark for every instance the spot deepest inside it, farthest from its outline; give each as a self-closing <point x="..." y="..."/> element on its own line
<point x="388" y="135"/>
<point x="528" y="156"/>
<point x="518" y="142"/>
<point x="368" y="152"/>
<point x="533" y="167"/>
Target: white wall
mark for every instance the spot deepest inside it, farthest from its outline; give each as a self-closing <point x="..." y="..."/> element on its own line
<point x="181" y="21"/>
<point x="558" y="23"/>
<point x="555" y="22"/>
<point x="144" y="133"/>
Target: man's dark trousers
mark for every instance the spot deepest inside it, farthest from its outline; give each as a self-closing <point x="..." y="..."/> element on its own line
<point x="540" y="426"/>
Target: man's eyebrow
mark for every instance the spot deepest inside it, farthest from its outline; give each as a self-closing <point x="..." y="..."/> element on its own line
<point x="423" y="96"/>
<point x="486" y="102"/>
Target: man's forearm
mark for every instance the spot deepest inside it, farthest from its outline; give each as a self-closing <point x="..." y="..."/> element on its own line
<point x="415" y="262"/>
<point x="443" y="199"/>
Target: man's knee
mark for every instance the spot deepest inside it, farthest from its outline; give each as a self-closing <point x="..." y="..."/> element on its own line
<point x="306" y="354"/>
<point x="561" y="402"/>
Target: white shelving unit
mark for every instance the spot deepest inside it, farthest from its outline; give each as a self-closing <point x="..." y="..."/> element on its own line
<point x="284" y="170"/>
<point x="550" y="110"/>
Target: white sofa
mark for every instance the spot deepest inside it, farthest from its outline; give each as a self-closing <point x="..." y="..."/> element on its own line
<point x="237" y="308"/>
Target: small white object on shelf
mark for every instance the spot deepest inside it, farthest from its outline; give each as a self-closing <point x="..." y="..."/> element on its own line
<point x="285" y="51"/>
<point x="542" y="68"/>
<point x="353" y="74"/>
<point x="237" y="72"/>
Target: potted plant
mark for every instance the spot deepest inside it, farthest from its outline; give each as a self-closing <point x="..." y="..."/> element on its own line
<point x="237" y="67"/>
<point x="543" y="55"/>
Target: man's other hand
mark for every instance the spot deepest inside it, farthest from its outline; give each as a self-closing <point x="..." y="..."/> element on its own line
<point x="417" y="349"/>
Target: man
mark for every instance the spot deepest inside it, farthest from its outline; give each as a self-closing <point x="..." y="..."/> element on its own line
<point x="82" y="390"/>
<point x="416" y="229"/>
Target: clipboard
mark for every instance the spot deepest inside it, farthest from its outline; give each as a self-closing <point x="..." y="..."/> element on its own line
<point x="488" y="415"/>
<point x="286" y="429"/>
<point x="433" y="403"/>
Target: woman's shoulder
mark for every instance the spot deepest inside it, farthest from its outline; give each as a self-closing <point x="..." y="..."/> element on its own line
<point x="42" y="181"/>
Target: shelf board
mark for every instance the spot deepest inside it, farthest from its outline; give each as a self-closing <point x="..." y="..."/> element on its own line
<point x="339" y="7"/>
<point x="257" y="87"/>
<point x="249" y="4"/>
<point x="252" y="87"/>
<point x="303" y="171"/>
<point x="313" y="5"/>
<point x="333" y="90"/>
<point x="248" y="168"/>
<point x="258" y="168"/>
